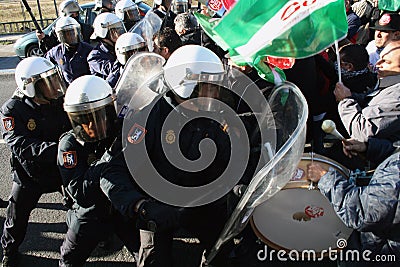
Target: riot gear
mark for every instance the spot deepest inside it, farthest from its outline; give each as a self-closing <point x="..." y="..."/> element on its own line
<point x="127" y="11"/>
<point x="108" y="26"/>
<point x="180" y="6"/>
<point x="104" y="5"/>
<point x="68" y="31"/>
<point x="89" y="103"/>
<point x="127" y="45"/>
<point x="69" y="8"/>
<point x="38" y="77"/>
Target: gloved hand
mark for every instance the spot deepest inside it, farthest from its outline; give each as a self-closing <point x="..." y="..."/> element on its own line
<point x="157" y="217"/>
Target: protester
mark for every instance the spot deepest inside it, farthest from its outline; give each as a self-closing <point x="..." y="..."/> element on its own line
<point x="371" y="210"/>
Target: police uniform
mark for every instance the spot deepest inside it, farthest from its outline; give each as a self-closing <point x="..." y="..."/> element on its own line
<point x="73" y="64"/>
<point x="148" y="136"/>
<point x="91" y="218"/>
<point x="31" y="131"/>
<point x="101" y="60"/>
<point x="51" y="40"/>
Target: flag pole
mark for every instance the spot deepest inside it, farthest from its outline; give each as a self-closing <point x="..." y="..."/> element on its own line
<point x="338" y="60"/>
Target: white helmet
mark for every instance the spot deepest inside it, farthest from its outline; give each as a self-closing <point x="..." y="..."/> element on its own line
<point x="127" y="45"/>
<point x="127" y="10"/>
<point x="68" y="31"/>
<point x="89" y="104"/>
<point x="189" y="65"/>
<point x="107" y="25"/>
<point x="107" y="4"/>
<point x="68" y="7"/>
<point x="158" y="2"/>
<point x="38" y="77"/>
<point x="180" y="6"/>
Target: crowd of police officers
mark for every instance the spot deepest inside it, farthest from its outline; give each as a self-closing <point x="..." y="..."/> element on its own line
<point x="65" y="135"/>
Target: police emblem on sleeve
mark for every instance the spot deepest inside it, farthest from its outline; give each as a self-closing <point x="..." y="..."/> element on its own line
<point x="8" y="123"/>
<point x="31" y="124"/>
<point x="170" y="137"/>
<point x="136" y="134"/>
<point x="70" y="159"/>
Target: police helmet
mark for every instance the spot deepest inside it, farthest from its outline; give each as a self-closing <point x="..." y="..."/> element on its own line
<point x="193" y="71"/>
<point x="107" y="25"/>
<point x="104" y="4"/>
<point x="90" y="108"/>
<point x="69" y="7"/>
<point x="127" y="45"/>
<point x="68" y="31"/>
<point x="127" y="10"/>
<point x="38" y="77"/>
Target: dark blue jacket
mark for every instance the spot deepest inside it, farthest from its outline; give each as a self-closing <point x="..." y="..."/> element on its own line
<point x="32" y="132"/>
<point x="74" y="161"/>
<point x="373" y="210"/>
<point x="72" y="65"/>
<point x="101" y="60"/>
<point x="115" y="73"/>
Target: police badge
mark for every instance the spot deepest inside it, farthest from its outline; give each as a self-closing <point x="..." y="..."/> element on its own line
<point x="8" y="123"/>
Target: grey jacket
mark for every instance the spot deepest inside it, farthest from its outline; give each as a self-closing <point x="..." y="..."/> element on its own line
<point x="373" y="210"/>
<point x="379" y="118"/>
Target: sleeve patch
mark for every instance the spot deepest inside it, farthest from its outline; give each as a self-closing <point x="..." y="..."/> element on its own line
<point x="136" y="134"/>
<point x="8" y="123"/>
<point x="70" y="159"/>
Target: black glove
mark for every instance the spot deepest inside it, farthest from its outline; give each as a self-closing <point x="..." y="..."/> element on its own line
<point x="157" y="217"/>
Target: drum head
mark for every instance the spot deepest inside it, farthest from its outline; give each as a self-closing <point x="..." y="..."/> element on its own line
<point x="297" y="218"/>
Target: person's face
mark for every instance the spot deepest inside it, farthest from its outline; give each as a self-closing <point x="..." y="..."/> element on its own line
<point x="162" y="51"/>
<point x="389" y="63"/>
<point x="90" y="129"/>
<point x="382" y="38"/>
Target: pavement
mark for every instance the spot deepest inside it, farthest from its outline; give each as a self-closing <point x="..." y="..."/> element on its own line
<point x="8" y="59"/>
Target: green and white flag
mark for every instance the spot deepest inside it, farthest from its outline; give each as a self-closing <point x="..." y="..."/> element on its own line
<point x="253" y="29"/>
<point x="390" y="5"/>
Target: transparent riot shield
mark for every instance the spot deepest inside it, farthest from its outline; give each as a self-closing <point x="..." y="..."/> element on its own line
<point x="290" y="111"/>
<point x="147" y="28"/>
<point x="139" y="69"/>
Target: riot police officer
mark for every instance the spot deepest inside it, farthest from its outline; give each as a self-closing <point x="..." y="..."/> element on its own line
<point x="67" y="8"/>
<point x="33" y="120"/>
<point x="70" y="55"/>
<point x="163" y="9"/>
<point x="173" y="126"/>
<point x="103" y="6"/>
<point x="107" y="28"/>
<point x="127" y="45"/>
<point x="89" y="103"/>
<point x="128" y="12"/>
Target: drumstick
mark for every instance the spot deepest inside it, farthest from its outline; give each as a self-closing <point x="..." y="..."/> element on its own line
<point x="329" y="127"/>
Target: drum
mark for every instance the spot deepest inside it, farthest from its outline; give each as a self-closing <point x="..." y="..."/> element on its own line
<point x="299" y="217"/>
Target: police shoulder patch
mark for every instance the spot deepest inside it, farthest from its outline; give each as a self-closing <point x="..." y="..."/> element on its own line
<point x="70" y="159"/>
<point x="8" y="123"/>
<point x="136" y="134"/>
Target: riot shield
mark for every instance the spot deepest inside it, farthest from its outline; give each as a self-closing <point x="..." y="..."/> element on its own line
<point x="147" y="28"/>
<point x="290" y="112"/>
<point x="139" y="69"/>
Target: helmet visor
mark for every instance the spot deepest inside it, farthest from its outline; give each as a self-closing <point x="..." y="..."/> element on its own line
<point x="206" y="97"/>
<point x="94" y="124"/>
<point x="132" y="14"/>
<point x="125" y="53"/>
<point x="49" y="85"/>
<point x="70" y="35"/>
<point x="180" y="7"/>
<point x="116" y="30"/>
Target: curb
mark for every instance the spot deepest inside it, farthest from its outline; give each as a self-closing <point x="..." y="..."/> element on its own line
<point x="7" y="72"/>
